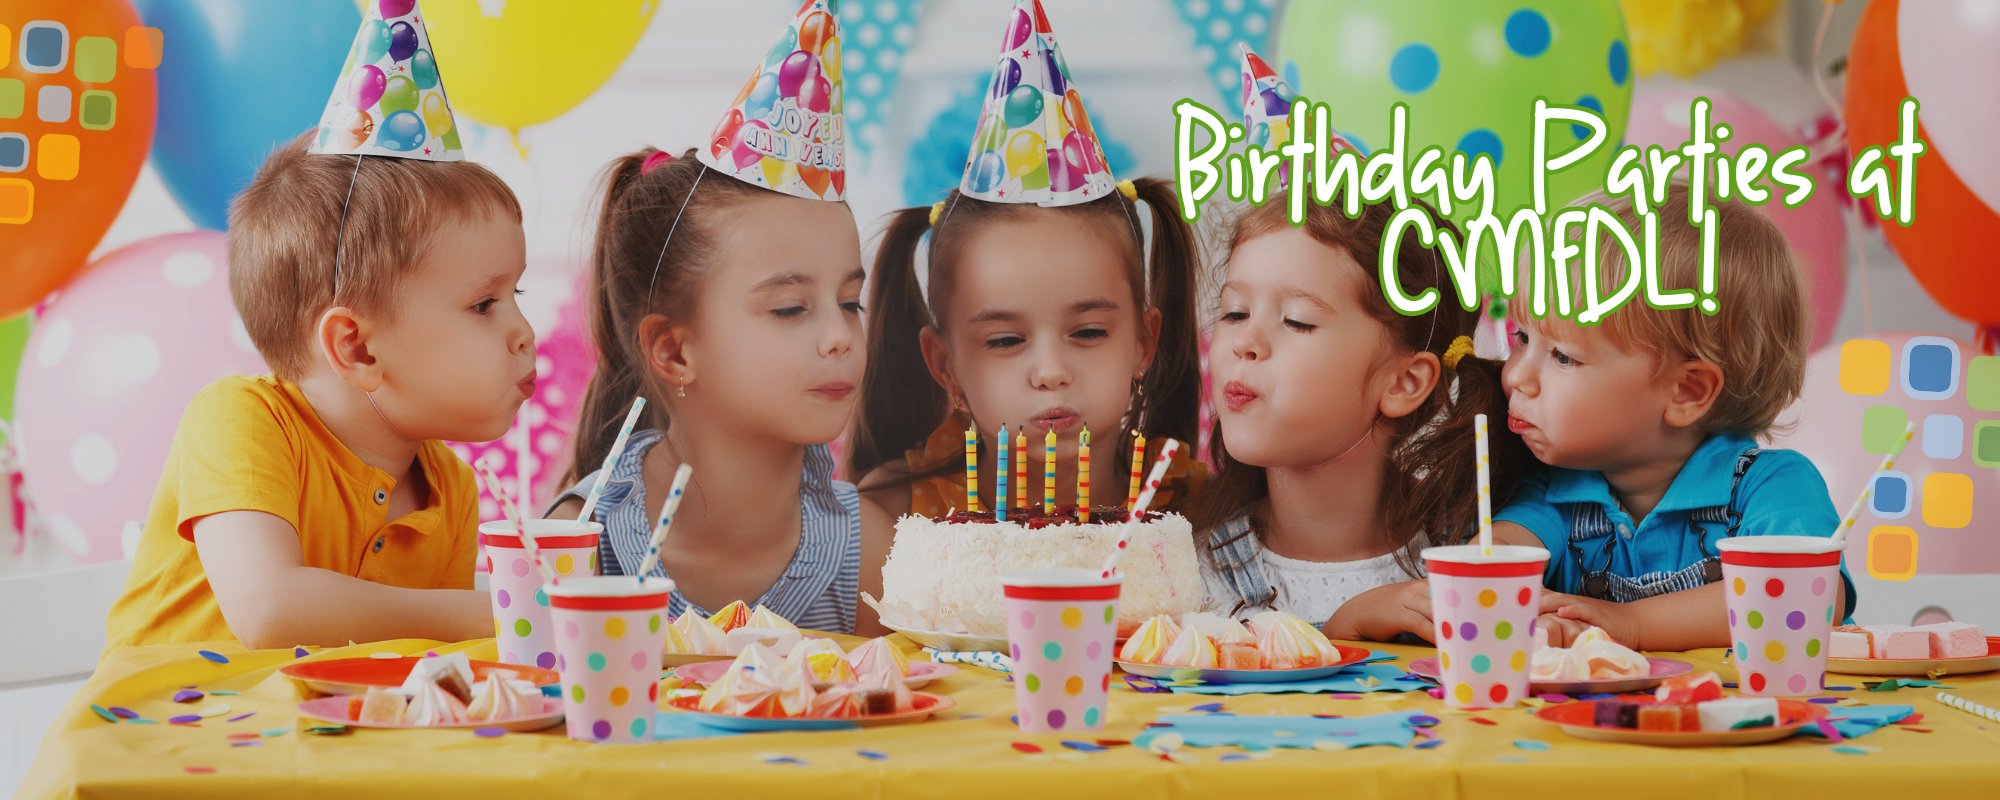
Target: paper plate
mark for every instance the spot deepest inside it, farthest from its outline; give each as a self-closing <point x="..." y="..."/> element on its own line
<point x="334" y="710"/>
<point x="1919" y="667"/>
<point x="922" y="673"/>
<point x="342" y="676"/>
<point x="1348" y="656"/>
<point x="678" y="660"/>
<point x="1576" y="719"/>
<point x="962" y="642"/>
<point x="925" y="705"/>
<point x="1663" y="668"/>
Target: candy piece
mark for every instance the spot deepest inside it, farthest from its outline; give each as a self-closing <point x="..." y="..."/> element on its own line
<point x="1852" y="641"/>
<point x="702" y="636"/>
<point x="779" y="640"/>
<point x="1150" y="641"/>
<point x="1290" y="643"/>
<point x="499" y="698"/>
<point x="435" y="705"/>
<point x="824" y="661"/>
<point x="1239" y="655"/>
<point x="1656" y="717"/>
<point x="1190" y="649"/>
<point x="383" y="706"/>
<point x="1737" y="713"/>
<point x="878" y="655"/>
<point x="1616" y="714"/>
<point x="1690" y="688"/>
<point x="1593" y="656"/>
<point x="1218" y="628"/>
<point x="766" y="618"/>
<point x="841" y="701"/>
<point x="1900" y="641"/>
<point x="676" y="641"/>
<point x="886" y="694"/>
<point x="1954" y="639"/>
<point x="732" y="616"/>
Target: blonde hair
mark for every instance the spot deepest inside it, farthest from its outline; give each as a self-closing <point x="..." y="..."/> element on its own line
<point x="284" y="229"/>
<point x="1759" y="333"/>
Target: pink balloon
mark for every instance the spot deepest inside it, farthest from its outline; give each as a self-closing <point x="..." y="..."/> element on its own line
<point x="109" y="368"/>
<point x="366" y="86"/>
<point x="392" y="9"/>
<point x="741" y="152"/>
<point x="798" y="72"/>
<point x="1018" y="30"/>
<point x="1815" y="229"/>
<point x="1828" y="430"/>
<point x="820" y="99"/>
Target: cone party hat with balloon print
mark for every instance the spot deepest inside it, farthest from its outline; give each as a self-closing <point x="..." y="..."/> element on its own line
<point x="1035" y="143"/>
<point x="389" y="100"/>
<point x="785" y="131"/>
<point x="1267" y="106"/>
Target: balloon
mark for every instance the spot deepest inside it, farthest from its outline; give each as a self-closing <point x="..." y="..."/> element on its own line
<point x="374" y="41"/>
<point x="763" y="95"/>
<point x="740" y="148"/>
<point x="816" y="179"/>
<point x="402" y="41"/>
<point x="787" y="42"/>
<point x="392" y="9"/>
<point x="498" y="56"/>
<point x="1038" y="178"/>
<point x="829" y="59"/>
<point x="797" y="72"/>
<point x="987" y="171"/>
<point x="814" y="32"/>
<point x="1072" y="108"/>
<point x="365" y="86"/>
<point x="1058" y="70"/>
<point x="1816" y="230"/>
<point x="1024" y="153"/>
<point x="724" y="135"/>
<point x="1470" y="73"/>
<point x="1060" y="177"/>
<point x="1006" y="77"/>
<point x="1676" y="37"/>
<point x="220" y="52"/>
<point x="820" y="99"/>
<point x="1078" y="155"/>
<point x="53" y="213"/>
<point x="1017" y="31"/>
<point x="110" y="365"/>
<point x="1900" y="50"/>
<point x="1828" y="425"/>
<point x="399" y="93"/>
<point x="402" y="131"/>
<point x="424" y="69"/>
<point x="1024" y="105"/>
<point x="437" y="114"/>
<point x="13" y="339"/>
<point x="777" y="171"/>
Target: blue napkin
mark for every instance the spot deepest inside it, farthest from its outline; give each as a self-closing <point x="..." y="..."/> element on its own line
<point x="1856" y="721"/>
<point x="1263" y="733"/>
<point x="1351" y="679"/>
<point x="679" y="727"/>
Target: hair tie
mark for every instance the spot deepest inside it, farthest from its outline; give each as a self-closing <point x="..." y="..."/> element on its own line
<point x="1129" y="189"/>
<point x="654" y="160"/>
<point x="937" y="210"/>
<point x="1459" y="349"/>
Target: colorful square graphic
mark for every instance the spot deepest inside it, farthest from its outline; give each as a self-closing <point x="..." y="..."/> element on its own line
<point x="1943" y="437"/>
<point x="1892" y="553"/>
<point x="1947" y="500"/>
<point x="142" y="47"/>
<point x="96" y="59"/>
<point x="52" y="103"/>
<point x="13" y="152"/>
<point x="13" y="98"/>
<point x="6" y="46"/>
<point x="1986" y="443"/>
<point x="98" y="110"/>
<point x="17" y="201"/>
<point x="1889" y="496"/>
<point x="1882" y="428"/>
<point x="58" y="156"/>
<point x="1930" y="368"/>
<point x="44" y="47"/>
<point x="1982" y="383"/>
<point x="1864" y="367"/>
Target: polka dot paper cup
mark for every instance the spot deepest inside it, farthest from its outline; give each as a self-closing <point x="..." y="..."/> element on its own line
<point x="1484" y="607"/>
<point x="609" y="632"/>
<point x="1061" y="625"/>
<point x="521" y="631"/>
<point x="1780" y="591"/>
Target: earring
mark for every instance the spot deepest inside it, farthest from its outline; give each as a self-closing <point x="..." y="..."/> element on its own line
<point x="683" y="390"/>
<point x="959" y="406"/>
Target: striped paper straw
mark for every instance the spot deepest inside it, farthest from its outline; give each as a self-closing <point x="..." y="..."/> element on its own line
<point x="667" y="510"/>
<point x="998" y="662"/>
<point x="1968" y="706"/>
<point x="484" y="472"/>
<point x="611" y="458"/>
<point x="1485" y="487"/>
<point x="1139" y="508"/>
<point x="1868" y="489"/>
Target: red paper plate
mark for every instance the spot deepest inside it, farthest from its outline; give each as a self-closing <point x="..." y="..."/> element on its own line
<point x="355" y="675"/>
<point x="924" y="705"/>
<point x="334" y="710"/>
<point x="1579" y="720"/>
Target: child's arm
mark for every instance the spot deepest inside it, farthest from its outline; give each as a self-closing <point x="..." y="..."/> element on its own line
<point x="271" y="599"/>
<point x="878" y="532"/>
<point x="1686" y="620"/>
<point x="1381" y="613"/>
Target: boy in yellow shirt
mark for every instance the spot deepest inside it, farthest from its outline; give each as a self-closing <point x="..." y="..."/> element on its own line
<point x="317" y="505"/>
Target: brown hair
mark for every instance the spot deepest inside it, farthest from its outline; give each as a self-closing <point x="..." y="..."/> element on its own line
<point x="1430" y="496"/>
<point x="901" y="404"/>
<point x="287" y="225"/>
<point x="630" y="279"/>
<point x="1761" y="329"/>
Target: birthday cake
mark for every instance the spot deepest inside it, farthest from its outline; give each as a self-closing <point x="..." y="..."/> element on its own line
<point x="943" y="574"/>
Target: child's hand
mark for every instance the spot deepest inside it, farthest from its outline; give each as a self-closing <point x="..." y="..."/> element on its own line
<point x="1570" y="615"/>
<point x="1381" y="613"/>
<point x="1562" y="631"/>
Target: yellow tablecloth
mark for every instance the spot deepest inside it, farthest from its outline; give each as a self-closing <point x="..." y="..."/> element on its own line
<point x="964" y="754"/>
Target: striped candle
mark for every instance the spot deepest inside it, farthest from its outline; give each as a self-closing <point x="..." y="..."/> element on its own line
<point x="1049" y="474"/>
<point x="1021" y="464"/>
<point x="1138" y="463"/>
<point x="972" y="468"/>
<point x="1083" y="476"/>
<point x="1000" y="478"/>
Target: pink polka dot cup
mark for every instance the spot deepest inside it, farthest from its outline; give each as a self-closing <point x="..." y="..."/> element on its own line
<point x="1484" y="607"/>
<point x="521" y="630"/>
<point x="1061" y="626"/>
<point x="609" y="632"/>
<point x="1780" y="591"/>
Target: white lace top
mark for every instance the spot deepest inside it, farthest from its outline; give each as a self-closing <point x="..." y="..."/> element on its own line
<point x="1309" y="590"/>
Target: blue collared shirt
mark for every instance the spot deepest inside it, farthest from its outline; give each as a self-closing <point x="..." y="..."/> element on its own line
<point x="1781" y="493"/>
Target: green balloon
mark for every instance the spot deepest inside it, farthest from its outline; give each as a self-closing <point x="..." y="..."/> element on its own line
<point x="399" y="95"/>
<point x="373" y="41"/>
<point x="1470" y="71"/>
<point x="13" y="344"/>
<point x="1024" y="105"/>
<point x="451" y="139"/>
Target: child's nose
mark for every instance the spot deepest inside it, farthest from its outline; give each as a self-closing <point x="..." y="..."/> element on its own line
<point x="522" y="338"/>
<point x="1049" y="372"/>
<point x="1517" y="376"/>
<point x="1249" y="345"/>
<point x="837" y="339"/>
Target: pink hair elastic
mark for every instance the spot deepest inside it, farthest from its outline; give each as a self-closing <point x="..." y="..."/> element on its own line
<point x="654" y="160"/>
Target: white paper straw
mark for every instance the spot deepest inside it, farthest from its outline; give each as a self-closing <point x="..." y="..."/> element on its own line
<point x="1968" y="706"/>
<point x="1868" y="488"/>
<point x="1485" y="487"/>
<point x="611" y="459"/>
<point x="667" y="510"/>
<point x="1139" y="506"/>
<point x="513" y="513"/>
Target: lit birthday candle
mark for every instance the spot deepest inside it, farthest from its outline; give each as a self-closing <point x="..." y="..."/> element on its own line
<point x="1138" y="463"/>
<point x="972" y="468"/>
<point x="1083" y="476"/>
<point x="1000" y="494"/>
<point x="1049" y="474"/>
<point x="1021" y="464"/>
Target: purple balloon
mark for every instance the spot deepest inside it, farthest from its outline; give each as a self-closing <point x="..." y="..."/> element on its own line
<point x="796" y="73"/>
<point x="402" y="41"/>
<point x="392" y="9"/>
<point x="1058" y="71"/>
<point x="1061" y="177"/>
<point x="366" y="86"/>
<point x="1006" y="77"/>
<point x="1275" y="104"/>
<point x="1017" y="33"/>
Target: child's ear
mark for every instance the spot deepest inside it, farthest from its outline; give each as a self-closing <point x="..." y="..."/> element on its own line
<point x="938" y="360"/>
<point x="342" y="338"/>
<point x="1696" y="384"/>
<point x="1411" y="383"/>
<point x="664" y="345"/>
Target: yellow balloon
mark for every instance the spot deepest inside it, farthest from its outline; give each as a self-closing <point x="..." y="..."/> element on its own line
<point x="829" y="60"/>
<point x="437" y="114"/>
<point x="531" y="61"/>
<point x="778" y="172"/>
<point x="1024" y="153"/>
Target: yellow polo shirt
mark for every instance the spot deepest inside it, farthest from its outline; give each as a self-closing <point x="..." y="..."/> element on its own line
<point x="255" y="444"/>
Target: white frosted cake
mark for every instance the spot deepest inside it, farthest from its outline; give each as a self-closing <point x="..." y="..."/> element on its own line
<point x="944" y="574"/>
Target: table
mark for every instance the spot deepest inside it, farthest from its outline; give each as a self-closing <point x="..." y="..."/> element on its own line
<point x="967" y="753"/>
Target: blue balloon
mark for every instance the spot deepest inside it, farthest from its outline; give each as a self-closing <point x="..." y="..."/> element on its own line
<point x="987" y="170"/>
<point x="402" y="41"/>
<point x="402" y="131"/>
<point x="424" y="69"/>
<point x="762" y="97"/>
<point x="239" y="78"/>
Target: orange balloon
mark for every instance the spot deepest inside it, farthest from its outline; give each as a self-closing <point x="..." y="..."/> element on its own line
<point x="80" y="170"/>
<point x="1948" y="215"/>
<point x="815" y="178"/>
<point x="814" y="33"/>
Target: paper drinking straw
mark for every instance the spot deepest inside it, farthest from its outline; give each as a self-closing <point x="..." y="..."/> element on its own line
<point x="667" y="510"/>
<point x="1139" y="508"/>
<point x="1000" y="498"/>
<point x="1968" y="706"/>
<point x="998" y="662"/>
<point x="1485" y="487"/>
<point x="611" y="458"/>
<point x="484" y="472"/>
<point x="1868" y="488"/>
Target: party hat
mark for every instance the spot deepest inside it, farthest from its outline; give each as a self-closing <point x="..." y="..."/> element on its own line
<point x="390" y="100"/>
<point x="785" y="130"/>
<point x="1267" y="106"/>
<point x="1035" y="143"/>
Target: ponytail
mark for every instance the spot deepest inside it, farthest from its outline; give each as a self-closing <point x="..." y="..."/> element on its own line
<point x="900" y="403"/>
<point x="1172" y="386"/>
<point x="613" y="382"/>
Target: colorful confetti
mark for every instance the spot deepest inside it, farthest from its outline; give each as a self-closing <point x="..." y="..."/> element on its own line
<point x="489" y="733"/>
<point x="300" y="652"/>
<point x="1916" y="730"/>
<point x="246" y="743"/>
<point x="124" y="713"/>
<point x="1083" y="747"/>
<point x="327" y="730"/>
<point x="1234" y="757"/>
<point x="1426" y="745"/>
<point x="1484" y="721"/>
<point x="187" y="696"/>
<point x="222" y="693"/>
<point x="216" y="710"/>
<point x="1534" y="745"/>
<point x="244" y="737"/>
<point x="1207" y="707"/>
<point x="199" y="770"/>
<point x="1855" y="750"/>
<point x="1840" y="688"/>
<point x="1825" y="701"/>
<point x="872" y="755"/>
<point x="1113" y="742"/>
<point x="1424" y="720"/>
<point x="1027" y="747"/>
<point x="243" y="716"/>
<point x="143" y="721"/>
<point x="183" y="719"/>
<point x="275" y="732"/>
<point x="213" y="656"/>
<point x="1827" y="729"/>
<point x="105" y="713"/>
<point x="1511" y="760"/>
<point x="784" y="760"/>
